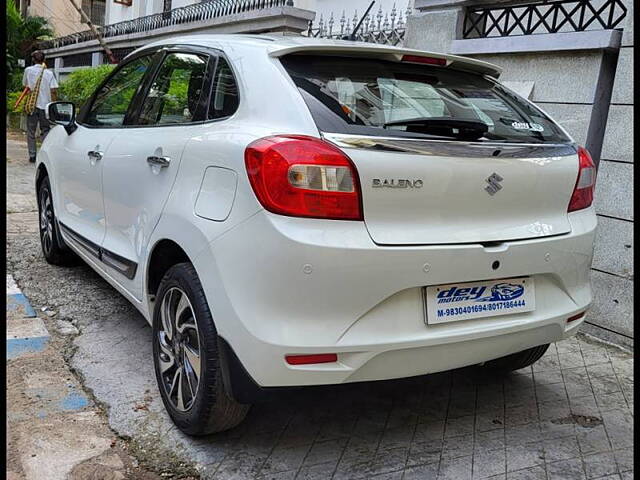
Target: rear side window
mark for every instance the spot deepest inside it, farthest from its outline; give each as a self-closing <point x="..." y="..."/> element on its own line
<point x="379" y="97"/>
<point x="176" y="91"/>
<point x="224" y="98"/>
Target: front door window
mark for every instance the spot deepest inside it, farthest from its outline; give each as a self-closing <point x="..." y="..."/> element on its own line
<point x="112" y="101"/>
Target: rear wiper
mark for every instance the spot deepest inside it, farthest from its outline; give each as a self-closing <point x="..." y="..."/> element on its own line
<point x="443" y="126"/>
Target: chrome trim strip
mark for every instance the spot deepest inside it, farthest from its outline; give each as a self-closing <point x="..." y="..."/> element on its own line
<point x="450" y="148"/>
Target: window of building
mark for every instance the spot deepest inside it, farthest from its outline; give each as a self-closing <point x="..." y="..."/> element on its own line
<point x="95" y="10"/>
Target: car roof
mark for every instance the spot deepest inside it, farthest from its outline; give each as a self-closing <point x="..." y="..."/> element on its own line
<point x="278" y="44"/>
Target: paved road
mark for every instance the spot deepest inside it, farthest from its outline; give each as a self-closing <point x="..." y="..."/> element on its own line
<point x="570" y="416"/>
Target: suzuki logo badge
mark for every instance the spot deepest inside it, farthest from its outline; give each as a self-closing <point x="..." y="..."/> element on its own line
<point x="494" y="184"/>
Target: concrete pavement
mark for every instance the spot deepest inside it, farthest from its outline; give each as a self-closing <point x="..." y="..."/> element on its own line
<point x="54" y="430"/>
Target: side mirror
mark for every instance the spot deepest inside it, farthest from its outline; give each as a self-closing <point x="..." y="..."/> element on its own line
<point x="62" y="113"/>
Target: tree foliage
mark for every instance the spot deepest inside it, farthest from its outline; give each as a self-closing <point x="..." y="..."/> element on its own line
<point x="80" y="84"/>
<point x="22" y="36"/>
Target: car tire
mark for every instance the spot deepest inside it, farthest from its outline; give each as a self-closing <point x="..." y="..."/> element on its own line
<point x="186" y="357"/>
<point x="518" y="360"/>
<point x="54" y="251"/>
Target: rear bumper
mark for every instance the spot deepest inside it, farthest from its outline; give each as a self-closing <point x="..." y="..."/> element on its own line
<point x="280" y="286"/>
<point x="398" y="363"/>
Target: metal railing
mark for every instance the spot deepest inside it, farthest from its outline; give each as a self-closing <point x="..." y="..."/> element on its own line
<point x="543" y="17"/>
<point x="386" y="28"/>
<point x="196" y="12"/>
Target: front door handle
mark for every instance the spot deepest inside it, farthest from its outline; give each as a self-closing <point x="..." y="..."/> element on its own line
<point x="95" y="155"/>
<point x="161" y="162"/>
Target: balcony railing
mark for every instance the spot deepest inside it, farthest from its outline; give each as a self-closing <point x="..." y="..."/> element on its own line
<point x="386" y="28"/>
<point x="543" y="17"/>
<point x="197" y="12"/>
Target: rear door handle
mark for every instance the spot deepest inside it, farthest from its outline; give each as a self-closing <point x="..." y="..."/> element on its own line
<point x="95" y="155"/>
<point x="161" y="162"/>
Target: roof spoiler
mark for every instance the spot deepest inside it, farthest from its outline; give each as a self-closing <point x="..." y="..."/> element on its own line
<point x="391" y="53"/>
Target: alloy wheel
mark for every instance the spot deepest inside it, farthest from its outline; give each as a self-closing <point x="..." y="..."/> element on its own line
<point x="179" y="358"/>
<point x="46" y="221"/>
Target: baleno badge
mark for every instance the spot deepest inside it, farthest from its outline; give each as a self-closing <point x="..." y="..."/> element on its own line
<point x="396" y="183"/>
<point x="494" y="184"/>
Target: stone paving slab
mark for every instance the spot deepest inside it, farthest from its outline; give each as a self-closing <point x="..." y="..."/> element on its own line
<point x="26" y="346"/>
<point x="41" y="453"/>
<point x="54" y="431"/>
<point x="18" y="306"/>
<point x="25" y="327"/>
<point x="568" y="416"/>
<point x="26" y="334"/>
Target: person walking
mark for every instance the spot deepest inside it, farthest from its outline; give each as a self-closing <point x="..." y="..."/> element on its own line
<point x="43" y="88"/>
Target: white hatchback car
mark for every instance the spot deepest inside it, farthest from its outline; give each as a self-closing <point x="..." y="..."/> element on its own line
<point x="288" y="211"/>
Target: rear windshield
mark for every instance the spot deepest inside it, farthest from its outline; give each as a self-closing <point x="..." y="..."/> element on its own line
<point x="382" y="98"/>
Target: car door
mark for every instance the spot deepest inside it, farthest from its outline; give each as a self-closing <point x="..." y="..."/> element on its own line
<point x="140" y="166"/>
<point x="79" y="159"/>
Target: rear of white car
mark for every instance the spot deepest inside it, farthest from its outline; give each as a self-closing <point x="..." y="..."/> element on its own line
<point x="385" y="248"/>
<point x="313" y="212"/>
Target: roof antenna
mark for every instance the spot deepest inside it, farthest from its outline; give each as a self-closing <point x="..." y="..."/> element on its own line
<point x="352" y="37"/>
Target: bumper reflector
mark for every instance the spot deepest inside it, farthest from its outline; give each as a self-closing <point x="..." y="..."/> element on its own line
<point x="310" y="359"/>
<point x="575" y="317"/>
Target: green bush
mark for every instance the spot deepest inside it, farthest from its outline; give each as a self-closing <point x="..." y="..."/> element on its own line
<point x="11" y="101"/>
<point x="76" y="88"/>
<point x="81" y="84"/>
<point x="14" y="80"/>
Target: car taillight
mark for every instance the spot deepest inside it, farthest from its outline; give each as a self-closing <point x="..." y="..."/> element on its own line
<point x="303" y="176"/>
<point x="428" y="60"/>
<point x="585" y="185"/>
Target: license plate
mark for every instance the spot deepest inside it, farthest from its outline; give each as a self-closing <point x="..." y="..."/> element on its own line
<point x="464" y="301"/>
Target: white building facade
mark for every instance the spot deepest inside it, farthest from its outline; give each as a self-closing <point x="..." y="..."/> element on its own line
<point x="120" y="11"/>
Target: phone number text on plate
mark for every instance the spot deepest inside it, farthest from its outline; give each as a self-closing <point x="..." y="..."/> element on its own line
<point x="447" y="312"/>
